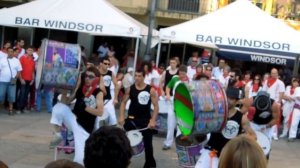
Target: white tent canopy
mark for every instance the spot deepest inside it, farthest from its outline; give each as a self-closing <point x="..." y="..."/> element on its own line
<point x="97" y="17"/>
<point x="239" y="25"/>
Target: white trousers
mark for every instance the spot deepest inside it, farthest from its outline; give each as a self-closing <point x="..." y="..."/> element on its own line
<point x="262" y="128"/>
<point x="294" y="124"/>
<point x="110" y="109"/>
<point x="171" y="123"/>
<point x="206" y="161"/>
<point x="61" y="114"/>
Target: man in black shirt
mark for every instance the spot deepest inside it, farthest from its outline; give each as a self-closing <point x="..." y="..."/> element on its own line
<point x="139" y="113"/>
<point x="235" y="124"/>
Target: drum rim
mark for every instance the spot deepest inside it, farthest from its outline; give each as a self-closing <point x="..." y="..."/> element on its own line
<point x="138" y="139"/>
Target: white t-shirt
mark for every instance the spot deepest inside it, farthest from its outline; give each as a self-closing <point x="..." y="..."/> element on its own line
<point x="2" y="55"/>
<point x="153" y="76"/>
<point x="224" y="80"/>
<point x="297" y="95"/>
<point x="217" y="72"/>
<point x="275" y="89"/>
<point x="249" y="85"/>
<point x="22" y="52"/>
<point x="191" y="72"/>
<point x="15" y="66"/>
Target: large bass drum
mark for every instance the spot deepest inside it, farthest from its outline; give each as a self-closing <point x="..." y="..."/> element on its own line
<point x="58" y="65"/>
<point x="200" y="106"/>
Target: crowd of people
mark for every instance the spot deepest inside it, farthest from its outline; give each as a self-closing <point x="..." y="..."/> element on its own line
<point x="255" y="103"/>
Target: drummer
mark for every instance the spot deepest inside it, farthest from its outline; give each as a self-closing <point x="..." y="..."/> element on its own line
<point x="89" y="104"/>
<point x="171" y="122"/>
<point x="264" y="113"/>
<point x="139" y="113"/>
<point x="109" y="101"/>
<point x="236" y="122"/>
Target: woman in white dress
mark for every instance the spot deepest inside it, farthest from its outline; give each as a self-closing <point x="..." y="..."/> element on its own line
<point x="253" y="87"/>
<point x="288" y="104"/>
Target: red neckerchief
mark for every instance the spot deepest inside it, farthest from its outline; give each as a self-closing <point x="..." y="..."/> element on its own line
<point x="270" y="82"/>
<point x="193" y="67"/>
<point x="255" y="87"/>
<point x="225" y="76"/>
<point x="292" y="91"/>
<point x="88" y="90"/>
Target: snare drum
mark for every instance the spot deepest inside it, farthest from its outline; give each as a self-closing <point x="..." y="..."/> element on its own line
<point x="58" y="65"/>
<point x="188" y="151"/>
<point x="200" y="106"/>
<point x="263" y="142"/>
<point x="136" y="142"/>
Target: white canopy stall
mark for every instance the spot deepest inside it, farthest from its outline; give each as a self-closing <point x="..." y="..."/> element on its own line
<point x="242" y="28"/>
<point x="97" y="17"/>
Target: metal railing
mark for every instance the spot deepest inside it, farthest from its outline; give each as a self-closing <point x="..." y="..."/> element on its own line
<point x="181" y="6"/>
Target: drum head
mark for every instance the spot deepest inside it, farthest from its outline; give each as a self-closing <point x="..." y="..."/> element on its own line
<point x="183" y="108"/>
<point x="135" y="137"/>
<point x="263" y="142"/>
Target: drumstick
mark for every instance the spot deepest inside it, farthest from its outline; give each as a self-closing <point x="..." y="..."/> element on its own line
<point x="142" y="129"/>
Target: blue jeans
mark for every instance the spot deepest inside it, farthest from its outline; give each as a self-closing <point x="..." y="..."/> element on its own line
<point x="23" y="96"/>
<point x="9" y="90"/>
<point x="48" y="94"/>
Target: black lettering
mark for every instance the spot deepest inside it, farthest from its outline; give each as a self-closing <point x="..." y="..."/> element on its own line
<point x="233" y="41"/>
<point x="266" y="44"/>
<point x="286" y="46"/>
<point x="98" y="27"/>
<point x="80" y="26"/>
<point x="199" y="38"/>
<point x="49" y="23"/>
<point x="35" y="22"/>
<point x="27" y="21"/>
<point x="257" y="43"/>
<point x="63" y="24"/>
<point x="276" y="45"/>
<point x="209" y="39"/>
<point x="89" y="27"/>
<point x="218" y="40"/>
<point x="72" y="25"/>
<point x="247" y="43"/>
<point x="18" y="20"/>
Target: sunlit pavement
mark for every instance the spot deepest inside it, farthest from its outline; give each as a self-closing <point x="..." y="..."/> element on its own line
<point x="24" y="143"/>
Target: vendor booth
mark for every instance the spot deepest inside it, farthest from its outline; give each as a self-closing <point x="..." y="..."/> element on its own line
<point x="242" y="31"/>
<point x="95" y="17"/>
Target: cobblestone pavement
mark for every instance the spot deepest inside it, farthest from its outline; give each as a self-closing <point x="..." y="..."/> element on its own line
<point x="24" y="143"/>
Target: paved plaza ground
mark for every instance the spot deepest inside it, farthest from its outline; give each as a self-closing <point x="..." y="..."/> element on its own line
<point x="24" y="143"/>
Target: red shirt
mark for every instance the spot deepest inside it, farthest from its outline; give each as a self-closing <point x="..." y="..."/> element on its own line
<point x="28" y="67"/>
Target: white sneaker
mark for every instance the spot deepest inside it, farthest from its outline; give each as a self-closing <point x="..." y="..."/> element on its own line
<point x="283" y="136"/>
<point x="275" y="137"/>
<point x="55" y="140"/>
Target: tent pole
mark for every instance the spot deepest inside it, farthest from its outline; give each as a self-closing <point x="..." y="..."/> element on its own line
<point x="296" y="65"/>
<point x="2" y="36"/>
<point x="158" y="53"/>
<point x="183" y="53"/>
<point x="136" y="52"/>
<point x="214" y="57"/>
<point x="168" y="55"/>
<point x="49" y="33"/>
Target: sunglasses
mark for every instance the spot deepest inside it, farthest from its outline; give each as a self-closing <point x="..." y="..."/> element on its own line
<point x="194" y="61"/>
<point x="256" y="79"/>
<point x="90" y="76"/>
<point x="208" y="69"/>
<point x="106" y="63"/>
